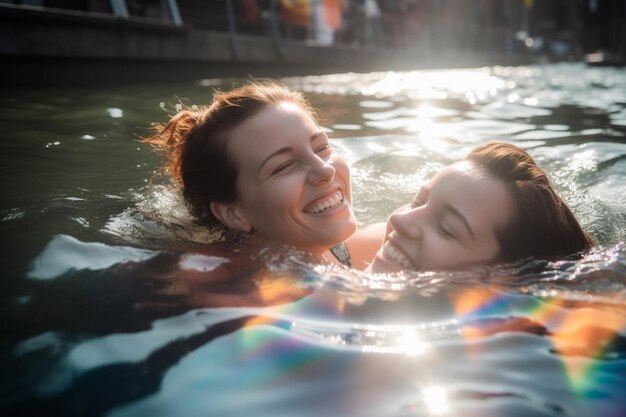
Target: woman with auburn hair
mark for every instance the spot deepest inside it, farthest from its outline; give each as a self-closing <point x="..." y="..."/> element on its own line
<point x="256" y="161"/>
<point x="495" y="206"/>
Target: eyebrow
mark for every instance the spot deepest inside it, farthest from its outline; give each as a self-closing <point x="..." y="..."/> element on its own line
<point x="286" y="149"/>
<point x="461" y="217"/>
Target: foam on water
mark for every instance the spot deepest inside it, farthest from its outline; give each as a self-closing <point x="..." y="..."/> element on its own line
<point x="65" y="253"/>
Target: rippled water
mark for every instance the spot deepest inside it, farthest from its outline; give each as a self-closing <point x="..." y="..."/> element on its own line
<point x="115" y="304"/>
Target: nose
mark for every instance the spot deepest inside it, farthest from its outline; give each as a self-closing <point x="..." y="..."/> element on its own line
<point x="320" y="171"/>
<point x="408" y="221"/>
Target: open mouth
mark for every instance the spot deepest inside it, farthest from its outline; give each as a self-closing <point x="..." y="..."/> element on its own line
<point x="325" y="204"/>
<point x="394" y="255"/>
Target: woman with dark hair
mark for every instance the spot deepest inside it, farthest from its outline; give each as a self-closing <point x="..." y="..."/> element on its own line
<point x="256" y="160"/>
<point x="495" y="206"/>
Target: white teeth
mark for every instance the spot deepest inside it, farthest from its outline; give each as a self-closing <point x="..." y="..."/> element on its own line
<point x="396" y="256"/>
<point x="333" y="201"/>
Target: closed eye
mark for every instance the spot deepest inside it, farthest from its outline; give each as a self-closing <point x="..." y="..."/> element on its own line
<point x="283" y="167"/>
<point x="323" y="148"/>
<point x="445" y="232"/>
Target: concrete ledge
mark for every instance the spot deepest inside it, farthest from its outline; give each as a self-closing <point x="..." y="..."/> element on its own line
<point x="42" y="47"/>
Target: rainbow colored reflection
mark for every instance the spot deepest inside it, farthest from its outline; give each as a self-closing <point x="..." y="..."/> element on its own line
<point x="581" y="332"/>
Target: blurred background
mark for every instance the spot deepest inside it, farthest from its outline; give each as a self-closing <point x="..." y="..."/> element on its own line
<point x="48" y="42"/>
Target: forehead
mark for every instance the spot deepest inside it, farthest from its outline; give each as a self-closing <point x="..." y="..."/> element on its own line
<point x="272" y="128"/>
<point x="274" y="121"/>
<point x="483" y="199"/>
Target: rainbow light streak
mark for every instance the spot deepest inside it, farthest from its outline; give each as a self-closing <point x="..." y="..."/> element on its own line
<point x="271" y="354"/>
<point x="274" y="355"/>
<point x="579" y="334"/>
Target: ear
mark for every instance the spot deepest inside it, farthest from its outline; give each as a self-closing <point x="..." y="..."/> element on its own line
<point x="230" y="216"/>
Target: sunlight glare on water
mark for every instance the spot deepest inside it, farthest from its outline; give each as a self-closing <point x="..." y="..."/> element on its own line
<point x="436" y="400"/>
<point x="474" y="84"/>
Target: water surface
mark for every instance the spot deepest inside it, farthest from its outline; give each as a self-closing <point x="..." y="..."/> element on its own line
<point x="107" y="310"/>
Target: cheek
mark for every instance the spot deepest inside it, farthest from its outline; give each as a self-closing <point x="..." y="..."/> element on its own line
<point x="437" y="252"/>
<point x="341" y="166"/>
<point x="342" y="169"/>
<point x="492" y="255"/>
<point x="280" y="198"/>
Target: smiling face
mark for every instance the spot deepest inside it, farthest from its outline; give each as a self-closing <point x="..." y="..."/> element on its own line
<point x="452" y="223"/>
<point x="291" y="186"/>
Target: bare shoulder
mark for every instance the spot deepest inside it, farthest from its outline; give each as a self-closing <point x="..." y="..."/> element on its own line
<point x="364" y="244"/>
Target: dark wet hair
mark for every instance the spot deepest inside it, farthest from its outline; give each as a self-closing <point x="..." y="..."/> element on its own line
<point x="195" y="143"/>
<point x="543" y="226"/>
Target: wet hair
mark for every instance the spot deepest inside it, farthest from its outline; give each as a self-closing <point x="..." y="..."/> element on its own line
<point x="543" y="226"/>
<point x="195" y="143"/>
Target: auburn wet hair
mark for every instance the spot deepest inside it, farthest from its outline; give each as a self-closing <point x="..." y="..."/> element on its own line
<point x="195" y="140"/>
<point x="543" y="226"/>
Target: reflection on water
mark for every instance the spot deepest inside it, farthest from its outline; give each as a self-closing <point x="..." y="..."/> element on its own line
<point x="115" y="303"/>
<point x="435" y="399"/>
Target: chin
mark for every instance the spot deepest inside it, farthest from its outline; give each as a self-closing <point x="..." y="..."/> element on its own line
<point x="346" y="231"/>
<point x="350" y="229"/>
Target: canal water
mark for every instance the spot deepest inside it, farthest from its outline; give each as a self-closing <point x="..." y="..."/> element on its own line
<point x="106" y="309"/>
